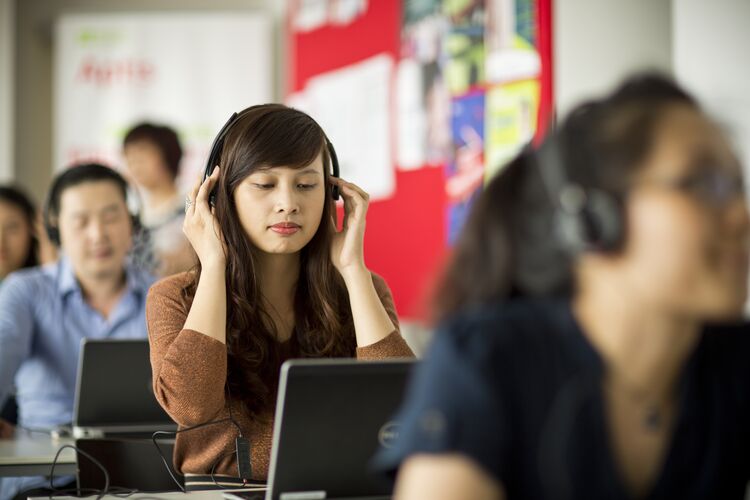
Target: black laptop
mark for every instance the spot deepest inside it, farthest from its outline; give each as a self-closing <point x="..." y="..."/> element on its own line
<point x="114" y="394"/>
<point x="331" y="417"/>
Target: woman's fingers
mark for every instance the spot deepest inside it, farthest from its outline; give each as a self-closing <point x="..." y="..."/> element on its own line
<point x="355" y="200"/>
<point x="357" y="205"/>
<point x="349" y="190"/>
<point x="195" y="188"/>
<point x="353" y="187"/>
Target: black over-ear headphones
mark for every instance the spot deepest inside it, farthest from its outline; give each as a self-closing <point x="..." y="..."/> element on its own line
<point x="218" y="144"/>
<point x="586" y="219"/>
<point x="78" y="174"/>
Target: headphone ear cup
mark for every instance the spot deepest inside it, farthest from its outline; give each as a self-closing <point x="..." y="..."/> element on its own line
<point x="53" y="234"/>
<point x="598" y="226"/>
<point x="571" y="232"/>
<point x="605" y="221"/>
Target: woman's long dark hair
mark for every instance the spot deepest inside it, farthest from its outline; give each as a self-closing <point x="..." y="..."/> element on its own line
<point x="508" y="246"/>
<point x="272" y="135"/>
<point x="17" y="198"/>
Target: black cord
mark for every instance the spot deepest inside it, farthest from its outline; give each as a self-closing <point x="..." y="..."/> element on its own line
<point x="195" y="427"/>
<point x="92" y="459"/>
<point x="187" y="429"/>
<point x="114" y="490"/>
<point x="213" y="468"/>
<point x="164" y="460"/>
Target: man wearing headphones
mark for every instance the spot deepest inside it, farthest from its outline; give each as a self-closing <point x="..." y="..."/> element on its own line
<point x="92" y="291"/>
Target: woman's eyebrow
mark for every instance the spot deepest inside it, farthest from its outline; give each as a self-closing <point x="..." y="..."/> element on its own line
<point x="309" y="171"/>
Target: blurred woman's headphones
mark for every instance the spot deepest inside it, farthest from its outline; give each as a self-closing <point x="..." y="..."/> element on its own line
<point x="218" y="144"/>
<point x="79" y="174"/>
<point x="586" y="218"/>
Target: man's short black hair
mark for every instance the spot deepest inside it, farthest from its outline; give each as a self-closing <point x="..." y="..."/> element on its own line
<point x="78" y="174"/>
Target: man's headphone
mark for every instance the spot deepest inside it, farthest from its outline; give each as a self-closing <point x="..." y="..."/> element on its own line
<point x="218" y="144"/>
<point x="78" y="174"/>
<point x="586" y="218"/>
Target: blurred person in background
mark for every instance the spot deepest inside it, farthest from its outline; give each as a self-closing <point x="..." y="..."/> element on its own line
<point x="19" y="244"/>
<point x="591" y="342"/>
<point x="91" y="291"/>
<point x="19" y="247"/>
<point x="152" y="154"/>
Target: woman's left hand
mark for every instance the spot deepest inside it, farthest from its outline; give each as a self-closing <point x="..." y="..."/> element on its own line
<point x="347" y="248"/>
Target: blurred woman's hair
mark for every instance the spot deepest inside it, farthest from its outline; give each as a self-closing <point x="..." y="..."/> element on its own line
<point x="15" y="197"/>
<point x="262" y="137"/>
<point x="164" y="138"/>
<point x="508" y="246"/>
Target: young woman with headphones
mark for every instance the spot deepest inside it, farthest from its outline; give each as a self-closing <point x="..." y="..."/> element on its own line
<point x="590" y="344"/>
<point x="276" y="280"/>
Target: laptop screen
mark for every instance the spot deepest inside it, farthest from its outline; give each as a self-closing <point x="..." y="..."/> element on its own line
<point x="114" y="386"/>
<point x="331" y="417"/>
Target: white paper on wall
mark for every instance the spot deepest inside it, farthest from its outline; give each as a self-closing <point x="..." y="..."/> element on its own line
<point x="353" y="106"/>
<point x="189" y="71"/>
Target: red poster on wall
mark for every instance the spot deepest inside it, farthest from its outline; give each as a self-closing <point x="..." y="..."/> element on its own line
<point x="417" y="97"/>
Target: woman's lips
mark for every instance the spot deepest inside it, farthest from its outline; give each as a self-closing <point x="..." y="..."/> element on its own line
<point x="285" y="228"/>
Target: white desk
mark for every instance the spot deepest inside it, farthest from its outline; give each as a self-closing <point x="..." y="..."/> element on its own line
<point x="32" y="455"/>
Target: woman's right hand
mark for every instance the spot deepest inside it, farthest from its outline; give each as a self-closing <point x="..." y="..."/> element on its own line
<point x="201" y="226"/>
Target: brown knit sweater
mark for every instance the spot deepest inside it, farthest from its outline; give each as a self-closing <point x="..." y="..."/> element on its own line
<point x="189" y="373"/>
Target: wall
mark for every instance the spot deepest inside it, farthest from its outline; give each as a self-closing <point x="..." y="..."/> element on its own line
<point x="597" y="42"/>
<point x="7" y="38"/>
<point x="711" y="41"/>
<point x="34" y="20"/>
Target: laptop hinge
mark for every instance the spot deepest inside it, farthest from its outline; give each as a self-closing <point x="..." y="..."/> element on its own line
<point x="303" y="495"/>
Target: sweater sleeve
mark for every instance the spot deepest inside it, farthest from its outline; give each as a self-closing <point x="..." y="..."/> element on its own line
<point x="189" y="369"/>
<point x="393" y="345"/>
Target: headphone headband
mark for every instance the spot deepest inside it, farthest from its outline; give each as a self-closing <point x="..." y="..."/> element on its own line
<point x="218" y="145"/>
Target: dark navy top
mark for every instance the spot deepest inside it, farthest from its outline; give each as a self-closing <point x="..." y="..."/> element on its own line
<point x="517" y="388"/>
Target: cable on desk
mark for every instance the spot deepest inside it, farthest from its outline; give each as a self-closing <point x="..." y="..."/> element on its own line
<point x="114" y="490"/>
<point x="241" y="442"/>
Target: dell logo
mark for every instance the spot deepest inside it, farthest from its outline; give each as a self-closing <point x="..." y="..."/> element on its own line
<point x="388" y="434"/>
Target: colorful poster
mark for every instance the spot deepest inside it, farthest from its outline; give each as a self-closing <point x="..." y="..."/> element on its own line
<point x="510" y="121"/>
<point x="423" y="136"/>
<point x="470" y="81"/>
<point x="464" y="45"/>
<point x="465" y="172"/>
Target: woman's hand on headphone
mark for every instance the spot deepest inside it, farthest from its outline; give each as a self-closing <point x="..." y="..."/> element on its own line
<point x="347" y="248"/>
<point x="201" y="226"/>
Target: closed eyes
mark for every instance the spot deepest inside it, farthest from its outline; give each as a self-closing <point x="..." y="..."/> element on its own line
<point x="271" y="186"/>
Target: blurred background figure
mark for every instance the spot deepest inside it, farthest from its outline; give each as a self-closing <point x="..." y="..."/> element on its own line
<point x="592" y="335"/>
<point x="18" y="249"/>
<point x="19" y="244"/>
<point x="152" y="154"/>
<point x="92" y="291"/>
